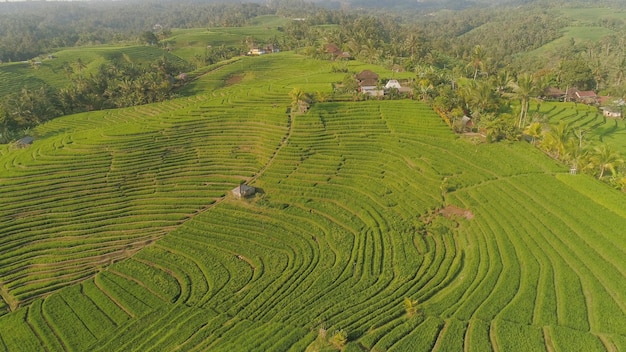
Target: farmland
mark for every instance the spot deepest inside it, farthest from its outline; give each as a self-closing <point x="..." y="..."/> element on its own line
<point x="118" y="231"/>
<point x="589" y="119"/>
<point x="18" y="75"/>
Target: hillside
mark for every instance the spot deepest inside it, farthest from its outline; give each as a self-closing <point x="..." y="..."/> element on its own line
<point x="374" y="228"/>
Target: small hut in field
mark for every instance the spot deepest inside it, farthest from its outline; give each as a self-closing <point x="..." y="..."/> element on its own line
<point x="243" y="191"/>
<point x="24" y="142"/>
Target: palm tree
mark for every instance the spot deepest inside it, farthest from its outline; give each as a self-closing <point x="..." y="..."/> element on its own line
<point x="480" y="96"/>
<point x="499" y="127"/>
<point x="605" y="159"/>
<point x="411" y="306"/>
<point x="477" y="59"/>
<point x="371" y="52"/>
<point x="620" y="71"/>
<point x="79" y="65"/>
<point x="556" y="140"/>
<point x="575" y="156"/>
<point x="580" y="135"/>
<point x="534" y="131"/>
<point x="412" y="44"/>
<point x="67" y="98"/>
<point x="423" y="87"/>
<point x="502" y="81"/>
<point x="4" y="125"/>
<point x="322" y="96"/>
<point x="523" y="89"/>
<point x="298" y="97"/>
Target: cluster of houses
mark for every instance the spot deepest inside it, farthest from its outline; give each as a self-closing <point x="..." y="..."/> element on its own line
<point x="268" y="49"/>
<point x="610" y="107"/>
<point x="368" y="83"/>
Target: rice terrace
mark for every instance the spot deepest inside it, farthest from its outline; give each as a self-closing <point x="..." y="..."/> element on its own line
<point x="264" y="206"/>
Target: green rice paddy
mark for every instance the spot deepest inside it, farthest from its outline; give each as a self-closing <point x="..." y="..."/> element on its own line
<point x="119" y="232"/>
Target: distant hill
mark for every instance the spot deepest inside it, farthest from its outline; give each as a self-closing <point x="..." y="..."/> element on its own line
<point x="451" y="4"/>
<point x="418" y="5"/>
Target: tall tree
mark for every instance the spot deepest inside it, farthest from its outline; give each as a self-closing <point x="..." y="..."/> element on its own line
<point x="477" y="60"/>
<point x="577" y="73"/>
<point x="534" y="132"/>
<point x="523" y="89"/>
<point x="605" y="159"/>
<point x="556" y="140"/>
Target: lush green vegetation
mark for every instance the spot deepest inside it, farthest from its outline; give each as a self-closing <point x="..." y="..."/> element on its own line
<point x="119" y="232"/>
<point x="378" y="224"/>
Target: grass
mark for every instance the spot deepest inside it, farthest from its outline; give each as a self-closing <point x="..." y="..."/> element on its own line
<point x="119" y="232"/>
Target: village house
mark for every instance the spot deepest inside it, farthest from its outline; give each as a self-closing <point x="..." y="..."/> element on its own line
<point x="335" y="52"/>
<point x="587" y="96"/>
<point x="268" y="49"/>
<point x="256" y="51"/>
<point x="582" y="96"/>
<point x="368" y="83"/>
<point x="554" y="94"/>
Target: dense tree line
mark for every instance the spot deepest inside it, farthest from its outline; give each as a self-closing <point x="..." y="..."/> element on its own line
<point x="116" y="84"/>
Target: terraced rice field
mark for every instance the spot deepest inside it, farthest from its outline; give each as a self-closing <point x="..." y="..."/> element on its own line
<point x="119" y="233"/>
<point x="589" y="119"/>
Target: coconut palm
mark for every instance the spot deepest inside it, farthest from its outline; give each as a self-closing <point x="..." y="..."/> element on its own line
<point x="298" y="98"/>
<point x="502" y="81"/>
<point x="620" y="71"/>
<point x="413" y="44"/>
<point x="5" y="122"/>
<point x="480" y="96"/>
<point x="296" y="95"/>
<point x="477" y="60"/>
<point x="321" y="96"/>
<point x="577" y="158"/>
<point x="534" y="131"/>
<point x="605" y="159"/>
<point x="78" y="66"/>
<point x="523" y="89"/>
<point x="556" y="140"/>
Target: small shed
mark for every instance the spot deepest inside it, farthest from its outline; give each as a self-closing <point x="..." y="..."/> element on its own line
<point x="24" y="142"/>
<point x="243" y="191"/>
